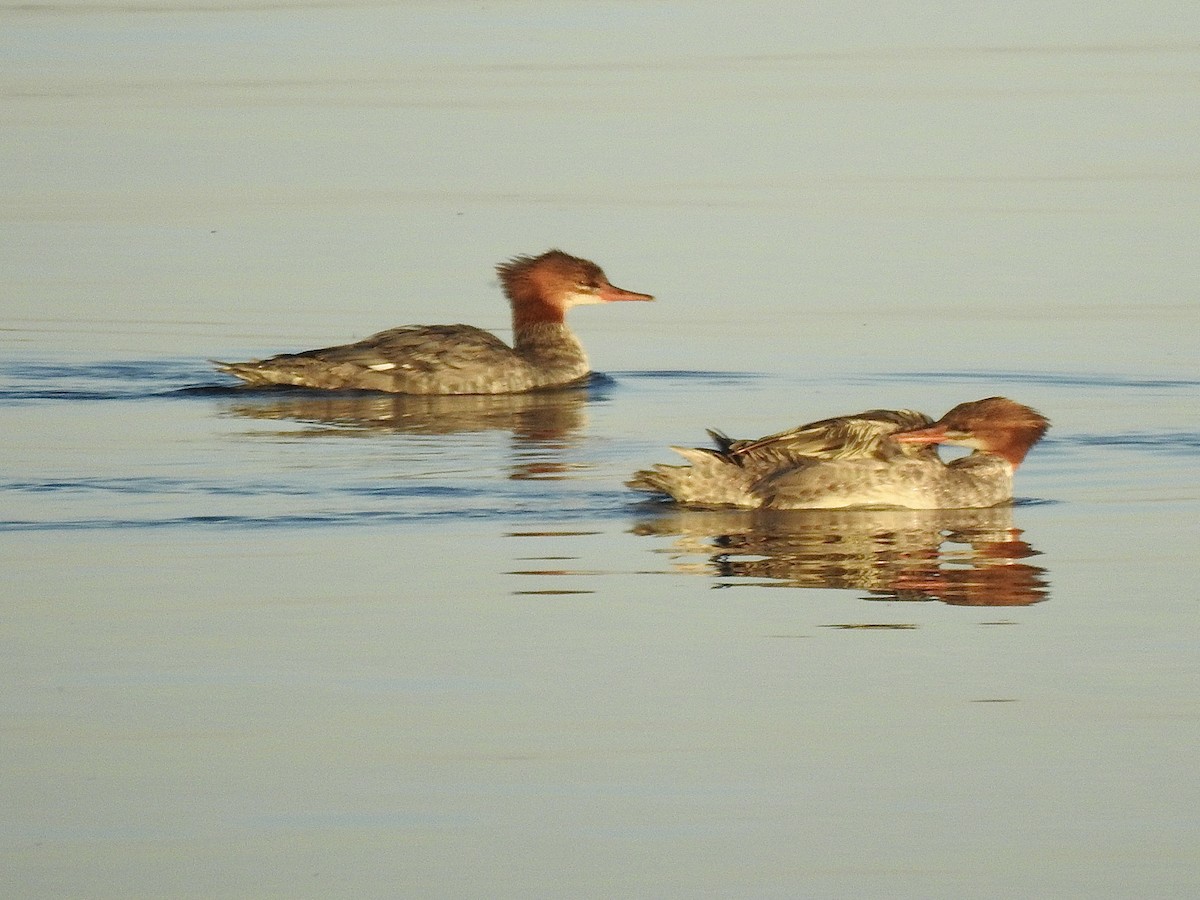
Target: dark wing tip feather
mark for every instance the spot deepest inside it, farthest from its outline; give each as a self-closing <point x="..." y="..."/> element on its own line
<point x="723" y="441"/>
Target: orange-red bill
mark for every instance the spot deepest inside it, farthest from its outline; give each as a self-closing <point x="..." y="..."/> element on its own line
<point x="934" y="434"/>
<point x="611" y="294"/>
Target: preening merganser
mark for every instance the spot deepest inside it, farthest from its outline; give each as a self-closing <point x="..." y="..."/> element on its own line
<point x="462" y="359"/>
<point x="879" y="458"/>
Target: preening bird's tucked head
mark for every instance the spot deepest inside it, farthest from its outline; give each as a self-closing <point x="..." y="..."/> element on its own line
<point x="992" y="425"/>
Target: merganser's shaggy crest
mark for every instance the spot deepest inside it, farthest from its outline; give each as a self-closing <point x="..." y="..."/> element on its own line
<point x="462" y="359"/>
<point x="879" y="458"/>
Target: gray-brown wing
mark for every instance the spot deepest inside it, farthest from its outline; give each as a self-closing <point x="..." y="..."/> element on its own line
<point x="859" y="436"/>
<point x="414" y="348"/>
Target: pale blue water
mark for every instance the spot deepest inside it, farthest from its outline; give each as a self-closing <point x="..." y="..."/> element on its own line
<point x="282" y="643"/>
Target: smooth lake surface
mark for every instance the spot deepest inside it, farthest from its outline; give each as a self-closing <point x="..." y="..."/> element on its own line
<point x="293" y="644"/>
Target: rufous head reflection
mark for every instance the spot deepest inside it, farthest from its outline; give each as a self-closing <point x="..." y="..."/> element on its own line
<point x="962" y="557"/>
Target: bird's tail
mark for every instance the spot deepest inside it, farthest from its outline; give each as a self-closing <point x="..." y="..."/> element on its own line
<point x="711" y="480"/>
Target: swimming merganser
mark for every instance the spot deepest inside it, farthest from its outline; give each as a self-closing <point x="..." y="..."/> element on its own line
<point x="462" y="359"/>
<point x="879" y="458"/>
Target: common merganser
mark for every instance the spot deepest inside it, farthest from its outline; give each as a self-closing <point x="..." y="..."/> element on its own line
<point x="462" y="359"/>
<point x="879" y="458"/>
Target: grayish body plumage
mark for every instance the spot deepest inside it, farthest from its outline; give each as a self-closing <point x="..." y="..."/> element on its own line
<point x="430" y="359"/>
<point x="879" y="458"/>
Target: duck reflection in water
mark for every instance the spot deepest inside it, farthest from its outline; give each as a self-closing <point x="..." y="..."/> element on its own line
<point x="543" y="424"/>
<point x="969" y="557"/>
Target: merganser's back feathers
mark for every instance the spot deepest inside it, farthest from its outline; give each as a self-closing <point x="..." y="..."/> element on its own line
<point x="879" y="458"/>
<point x="859" y="436"/>
<point x="445" y="354"/>
<point x="462" y="359"/>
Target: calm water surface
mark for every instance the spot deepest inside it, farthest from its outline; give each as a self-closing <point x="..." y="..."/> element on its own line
<point x="283" y="643"/>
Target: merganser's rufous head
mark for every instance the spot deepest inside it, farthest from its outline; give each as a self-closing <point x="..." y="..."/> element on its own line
<point x="995" y="425"/>
<point x="542" y="288"/>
